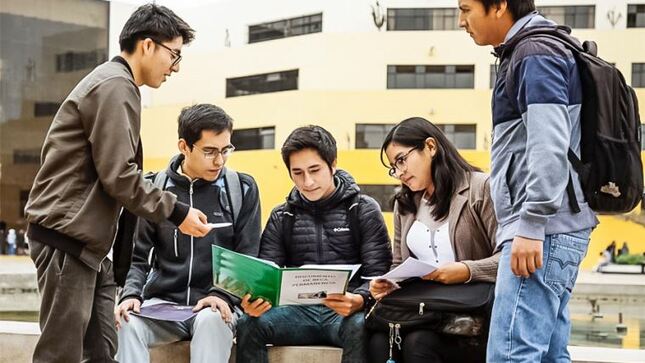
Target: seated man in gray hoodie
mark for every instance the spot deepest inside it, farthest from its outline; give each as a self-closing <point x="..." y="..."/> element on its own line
<point x="169" y="266"/>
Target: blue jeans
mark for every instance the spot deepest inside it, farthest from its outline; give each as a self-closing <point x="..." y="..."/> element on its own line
<point x="530" y="319"/>
<point x="300" y="325"/>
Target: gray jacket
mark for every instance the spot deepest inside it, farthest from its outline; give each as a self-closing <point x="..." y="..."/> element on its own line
<point x="536" y="120"/>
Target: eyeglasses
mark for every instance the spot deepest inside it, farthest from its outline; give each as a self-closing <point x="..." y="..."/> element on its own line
<point x="211" y="154"/>
<point x="400" y="163"/>
<point x="175" y="54"/>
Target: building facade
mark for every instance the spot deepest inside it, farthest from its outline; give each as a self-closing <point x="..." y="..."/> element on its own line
<point x="357" y="68"/>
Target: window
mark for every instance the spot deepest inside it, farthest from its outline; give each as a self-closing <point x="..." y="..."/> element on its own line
<point x="46" y="108"/>
<point x="383" y="193"/>
<point x="582" y="17"/>
<point x="285" y="28"/>
<point x="636" y="16"/>
<point x="26" y="156"/>
<point x="74" y="61"/>
<point x="493" y="76"/>
<point x="423" y="19"/>
<point x="371" y="136"/>
<point x="462" y="136"/>
<point x="262" y="83"/>
<point x="431" y="76"/>
<point x="44" y="52"/>
<point x="638" y="75"/>
<point x="254" y="139"/>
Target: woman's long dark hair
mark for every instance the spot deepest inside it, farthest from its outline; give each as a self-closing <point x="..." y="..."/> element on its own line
<point x="449" y="168"/>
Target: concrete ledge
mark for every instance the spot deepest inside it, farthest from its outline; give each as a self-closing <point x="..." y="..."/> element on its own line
<point x="17" y="342"/>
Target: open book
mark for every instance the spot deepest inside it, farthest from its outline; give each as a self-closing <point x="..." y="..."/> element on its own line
<point x="308" y="284"/>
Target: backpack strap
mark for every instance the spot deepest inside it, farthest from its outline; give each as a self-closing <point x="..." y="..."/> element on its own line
<point x="160" y="180"/>
<point x="234" y="191"/>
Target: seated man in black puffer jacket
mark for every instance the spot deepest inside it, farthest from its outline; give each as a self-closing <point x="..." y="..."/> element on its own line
<point x="320" y="234"/>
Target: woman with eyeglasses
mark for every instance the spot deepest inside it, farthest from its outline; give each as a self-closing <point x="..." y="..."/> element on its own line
<point x="443" y="214"/>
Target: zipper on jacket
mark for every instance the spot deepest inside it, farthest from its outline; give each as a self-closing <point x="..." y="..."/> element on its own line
<point x="176" y="253"/>
<point x="421" y="305"/>
<point x="192" y="242"/>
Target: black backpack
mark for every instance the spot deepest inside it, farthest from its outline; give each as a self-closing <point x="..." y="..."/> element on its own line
<point x="352" y="206"/>
<point x="610" y="166"/>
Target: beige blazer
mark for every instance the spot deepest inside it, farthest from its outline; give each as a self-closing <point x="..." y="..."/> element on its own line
<point x="471" y="226"/>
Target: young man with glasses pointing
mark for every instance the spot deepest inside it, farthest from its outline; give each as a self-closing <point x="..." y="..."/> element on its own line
<point x="89" y="191"/>
<point x="169" y="266"/>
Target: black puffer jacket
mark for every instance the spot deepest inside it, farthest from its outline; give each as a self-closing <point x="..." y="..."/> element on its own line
<point x="182" y="267"/>
<point x="321" y="234"/>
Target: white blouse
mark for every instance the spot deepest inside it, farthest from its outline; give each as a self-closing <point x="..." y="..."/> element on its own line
<point x="429" y="240"/>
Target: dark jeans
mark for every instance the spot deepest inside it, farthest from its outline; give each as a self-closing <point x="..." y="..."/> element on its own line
<point x="76" y="309"/>
<point x="300" y="325"/>
<point x="427" y="346"/>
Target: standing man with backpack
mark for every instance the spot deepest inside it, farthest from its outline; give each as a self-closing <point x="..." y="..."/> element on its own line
<point x="169" y="266"/>
<point x="543" y="233"/>
<point x="89" y="191"/>
<point x="325" y="220"/>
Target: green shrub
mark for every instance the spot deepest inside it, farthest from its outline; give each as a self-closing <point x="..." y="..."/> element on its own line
<point x="630" y="259"/>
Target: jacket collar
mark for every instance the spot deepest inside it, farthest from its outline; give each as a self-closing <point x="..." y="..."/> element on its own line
<point x="183" y="180"/>
<point x="516" y="28"/>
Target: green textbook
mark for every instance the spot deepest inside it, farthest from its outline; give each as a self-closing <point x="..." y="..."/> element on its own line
<point x="309" y="284"/>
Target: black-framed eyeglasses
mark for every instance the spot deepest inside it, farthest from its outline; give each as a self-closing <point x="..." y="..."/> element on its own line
<point x="176" y="55"/>
<point x="211" y="154"/>
<point x="400" y="163"/>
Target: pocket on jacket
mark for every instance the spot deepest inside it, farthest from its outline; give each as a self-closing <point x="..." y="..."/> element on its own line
<point x="566" y="252"/>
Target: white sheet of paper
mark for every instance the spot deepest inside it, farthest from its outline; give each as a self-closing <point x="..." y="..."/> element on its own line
<point x="219" y="225"/>
<point x="353" y="268"/>
<point x="411" y="267"/>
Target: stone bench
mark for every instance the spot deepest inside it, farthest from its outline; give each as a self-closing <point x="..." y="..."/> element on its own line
<point x="17" y="342"/>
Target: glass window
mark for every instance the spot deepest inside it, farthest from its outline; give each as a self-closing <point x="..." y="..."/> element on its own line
<point x="285" y="28"/>
<point x="431" y="76"/>
<point x="262" y="83"/>
<point x="581" y="17"/>
<point x="638" y="75"/>
<point x="423" y="19"/>
<point x="371" y="136"/>
<point x="44" y="53"/>
<point x="383" y="193"/>
<point x="636" y="16"/>
<point x="254" y="139"/>
<point x="462" y="136"/>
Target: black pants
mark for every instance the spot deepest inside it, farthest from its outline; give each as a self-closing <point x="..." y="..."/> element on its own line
<point x="428" y="346"/>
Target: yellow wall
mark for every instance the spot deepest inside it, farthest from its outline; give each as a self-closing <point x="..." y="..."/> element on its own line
<point x="342" y="82"/>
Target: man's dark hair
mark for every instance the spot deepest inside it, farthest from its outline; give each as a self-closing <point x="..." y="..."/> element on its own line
<point x="310" y="137"/>
<point x="155" y="22"/>
<point x="517" y="8"/>
<point x="202" y="117"/>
